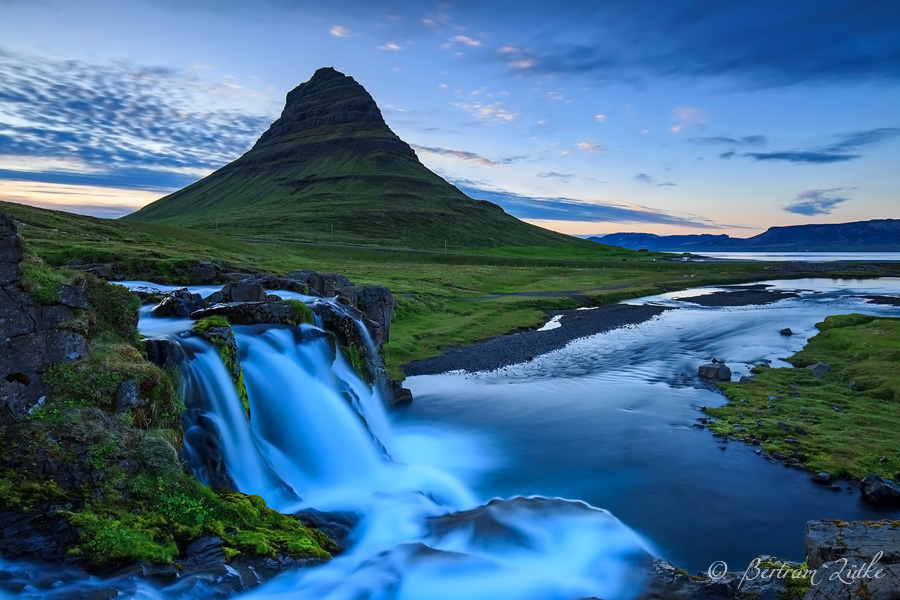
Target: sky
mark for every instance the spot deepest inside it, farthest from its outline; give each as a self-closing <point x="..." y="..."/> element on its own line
<point x="586" y="117"/>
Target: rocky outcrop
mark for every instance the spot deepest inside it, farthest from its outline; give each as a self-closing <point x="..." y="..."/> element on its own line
<point x="179" y="303"/>
<point x="878" y="490"/>
<point x="819" y="369"/>
<point x="376" y="303"/>
<point x="33" y="335"/>
<point x="244" y="290"/>
<point x="853" y="560"/>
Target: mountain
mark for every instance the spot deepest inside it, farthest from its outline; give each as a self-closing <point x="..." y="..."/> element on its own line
<point x="330" y="170"/>
<point x="879" y="235"/>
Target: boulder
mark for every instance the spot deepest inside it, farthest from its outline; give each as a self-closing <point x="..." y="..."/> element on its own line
<point x="819" y="369"/>
<point x="878" y="490"/>
<point x="336" y="285"/>
<point x="716" y="371"/>
<point x="786" y="331"/>
<point x="399" y="394"/>
<point x="148" y="295"/>
<point x="853" y="560"/>
<point x="247" y="313"/>
<point x="179" y="303"/>
<point x="822" y="478"/>
<point x="72" y="295"/>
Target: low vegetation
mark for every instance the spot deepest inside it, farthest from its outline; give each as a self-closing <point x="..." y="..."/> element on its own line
<point x="844" y="423"/>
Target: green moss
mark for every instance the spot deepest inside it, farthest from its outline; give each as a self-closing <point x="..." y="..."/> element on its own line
<point x="232" y="363"/>
<point x="302" y="312"/>
<point x="42" y="281"/>
<point x="356" y="361"/>
<point x="214" y="321"/>
<point x="19" y="492"/>
<point x="113" y="310"/>
<point x="796" y="579"/>
<point x="843" y="423"/>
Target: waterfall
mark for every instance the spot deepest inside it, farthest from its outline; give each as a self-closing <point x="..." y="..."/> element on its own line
<point x="319" y="437"/>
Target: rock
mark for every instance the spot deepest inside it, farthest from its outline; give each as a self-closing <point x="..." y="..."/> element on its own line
<point x="304" y="281"/>
<point x="881" y="491"/>
<point x="717" y="371"/>
<point x="401" y="395"/>
<point x="745" y="379"/>
<point x="245" y="290"/>
<point x="336" y="285"/>
<point x="11" y="252"/>
<point x="853" y="560"/>
<point x="376" y="303"/>
<point x="72" y="296"/>
<point x="203" y="272"/>
<point x="247" y="313"/>
<point x="819" y="369"/>
<point x="108" y="271"/>
<point x="148" y="295"/>
<point x="822" y="478"/>
<point x="179" y="303"/>
<point x="127" y="397"/>
<point x="786" y="331"/>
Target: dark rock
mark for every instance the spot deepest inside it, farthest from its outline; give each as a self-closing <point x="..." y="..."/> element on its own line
<point x="247" y="313"/>
<point x="745" y="379"/>
<point x="786" y="331"/>
<point x="819" y="369"/>
<point x="147" y="294"/>
<point x="203" y="272"/>
<point x="822" y="478"/>
<point x="878" y="490"/>
<point x="401" y="395"/>
<point x="871" y="550"/>
<point x="108" y="271"/>
<point x="376" y="303"/>
<point x="179" y="303"/>
<point x="336" y="285"/>
<point x="127" y="397"/>
<point x="304" y="281"/>
<point x="72" y="295"/>
<point x="245" y="290"/>
<point x="336" y="525"/>
<point x="716" y="371"/>
<point x="11" y="252"/>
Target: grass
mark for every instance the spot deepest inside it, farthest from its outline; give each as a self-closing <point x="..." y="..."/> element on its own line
<point x="444" y="298"/>
<point x="843" y="423"/>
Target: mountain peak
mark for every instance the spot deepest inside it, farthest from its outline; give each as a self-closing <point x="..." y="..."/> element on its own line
<point x="330" y="105"/>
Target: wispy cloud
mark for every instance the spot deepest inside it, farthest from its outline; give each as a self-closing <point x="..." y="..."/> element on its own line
<point x="489" y="112"/>
<point x="391" y="47"/>
<point x="339" y="31"/>
<point x="815" y="202"/>
<point x="800" y="43"/>
<point x="587" y="146"/>
<point x="554" y="175"/>
<point x="836" y="151"/>
<point x="465" y="156"/>
<point x="569" y="209"/>
<point x="747" y="140"/>
<point x="123" y="125"/>
<point x="687" y="115"/>
<point x="644" y="178"/>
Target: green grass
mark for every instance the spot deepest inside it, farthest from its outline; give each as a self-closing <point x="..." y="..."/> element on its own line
<point x="444" y="298"/>
<point x="844" y="423"/>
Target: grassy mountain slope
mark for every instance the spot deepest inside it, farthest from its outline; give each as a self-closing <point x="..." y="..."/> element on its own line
<point x="330" y="170"/>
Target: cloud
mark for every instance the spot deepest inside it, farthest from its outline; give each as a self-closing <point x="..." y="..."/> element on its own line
<point x="815" y="202"/>
<point x="66" y="121"/>
<point x="798" y="43"/>
<point x="834" y="152"/>
<point x="802" y="157"/>
<point x="339" y="31"/>
<point x="727" y="155"/>
<point x="465" y="155"/>
<point x="568" y="209"/>
<point x="687" y="115"/>
<point x="391" y="47"/>
<point x="600" y="118"/>
<point x="747" y="140"/>
<point x="644" y="178"/>
<point x="554" y="175"/>
<point x="589" y="147"/>
<point x="491" y="113"/>
<point x="464" y="39"/>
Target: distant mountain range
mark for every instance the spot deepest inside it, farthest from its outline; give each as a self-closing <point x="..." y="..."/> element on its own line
<point x="879" y="235"/>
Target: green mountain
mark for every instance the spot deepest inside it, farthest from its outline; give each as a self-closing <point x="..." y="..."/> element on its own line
<point x="330" y="170"/>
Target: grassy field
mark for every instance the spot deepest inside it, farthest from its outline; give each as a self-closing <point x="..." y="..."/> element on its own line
<point x="845" y="422"/>
<point x="443" y="298"/>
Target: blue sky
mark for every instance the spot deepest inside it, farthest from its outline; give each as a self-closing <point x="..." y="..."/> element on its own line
<point x="585" y="117"/>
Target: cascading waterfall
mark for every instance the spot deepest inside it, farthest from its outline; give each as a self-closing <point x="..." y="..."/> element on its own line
<point x="319" y="437"/>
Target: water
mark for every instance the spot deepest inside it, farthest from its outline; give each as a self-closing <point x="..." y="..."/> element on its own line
<point x="606" y="420"/>
<point x="808" y="256"/>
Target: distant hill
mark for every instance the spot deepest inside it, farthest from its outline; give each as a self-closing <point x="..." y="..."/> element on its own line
<point x="880" y="235"/>
<point x="330" y="170"/>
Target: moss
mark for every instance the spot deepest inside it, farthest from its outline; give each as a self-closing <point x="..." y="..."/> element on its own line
<point x="302" y="312"/>
<point x="844" y="422"/>
<point x="796" y="579"/>
<point x="214" y="321"/>
<point x="42" y="281"/>
<point x="357" y="362"/>
<point x="113" y="311"/>
<point x="232" y="363"/>
<point x="20" y="492"/>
